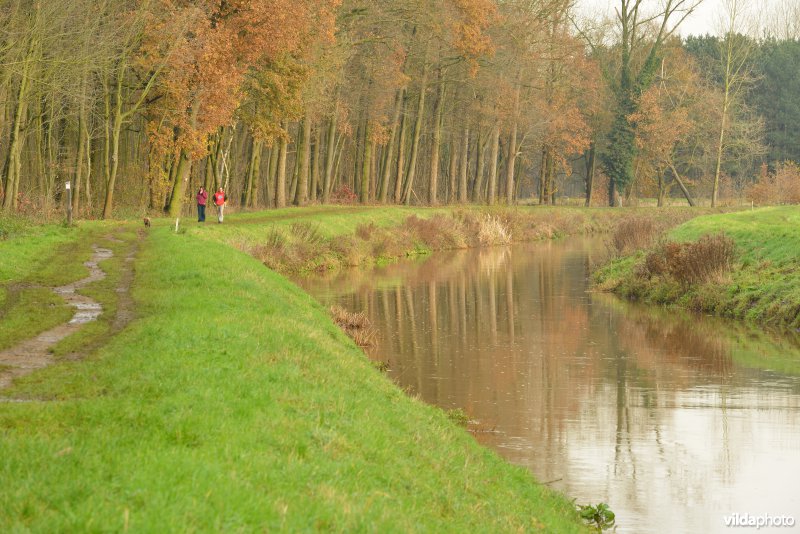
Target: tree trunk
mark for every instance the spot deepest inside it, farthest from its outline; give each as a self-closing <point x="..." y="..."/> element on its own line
<point x="88" y="179"/>
<point x="681" y="185"/>
<point x="358" y="160"/>
<point x="452" y="175"/>
<point x="253" y="173"/>
<point x="304" y="162"/>
<point x="462" y="182"/>
<point x="720" y="149"/>
<point x="114" y="116"/>
<point x="272" y="174"/>
<point x="477" y="187"/>
<point x="81" y="151"/>
<point x="401" y="154"/>
<point x="492" y="195"/>
<point x="551" y="177"/>
<point x="543" y="175"/>
<point x="412" y="164"/>
<point x="329" y="158"/>
<point x="13" y="165"/>
<point x="179" y="185"/>
<point x="590" y="169"/>
<point x="366" y="164"/>
<point x="387" y="166"/>
<point x="612" y="192"/>
<point x="512" y="151"/>
<point x="433" y="184"/>
<point x="280" y="180"/>
<point x="510" y="164"/>
<point x="315" y="164"/>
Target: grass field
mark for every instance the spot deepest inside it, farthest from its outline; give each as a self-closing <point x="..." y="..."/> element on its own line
<point x="763" y="286"/>
<point x="232" y="403"/>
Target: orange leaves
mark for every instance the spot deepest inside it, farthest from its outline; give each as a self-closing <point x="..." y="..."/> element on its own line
<point x="665" y="115"/>
<point x="470" y="37"/>
<point x="215" y="45"/>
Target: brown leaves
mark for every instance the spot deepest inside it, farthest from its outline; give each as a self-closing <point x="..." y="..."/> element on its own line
<point x="216" y="44"/>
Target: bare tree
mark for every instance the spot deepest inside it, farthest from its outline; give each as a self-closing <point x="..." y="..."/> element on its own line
<point x="736" y="47"/>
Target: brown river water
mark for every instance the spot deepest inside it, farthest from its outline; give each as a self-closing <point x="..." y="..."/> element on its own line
<point x="677" y="421"/>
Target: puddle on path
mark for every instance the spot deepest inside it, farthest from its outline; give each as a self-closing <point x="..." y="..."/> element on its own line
<point x="34" y="353"/>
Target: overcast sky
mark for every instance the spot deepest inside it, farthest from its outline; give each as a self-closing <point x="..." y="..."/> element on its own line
<point x="703" y="20"/>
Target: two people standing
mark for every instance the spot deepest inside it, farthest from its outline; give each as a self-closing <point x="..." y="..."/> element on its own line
<point x="219" y="198"/>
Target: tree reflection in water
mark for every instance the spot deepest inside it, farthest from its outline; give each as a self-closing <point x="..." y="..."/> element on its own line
<point x="671" y="418"/>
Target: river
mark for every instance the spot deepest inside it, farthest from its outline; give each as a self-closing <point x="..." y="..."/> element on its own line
<point x="675" y="420"/>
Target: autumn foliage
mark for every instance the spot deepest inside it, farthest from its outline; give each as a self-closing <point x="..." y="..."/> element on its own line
<point x="781" y="186"/>
<point x="299" y="101"/>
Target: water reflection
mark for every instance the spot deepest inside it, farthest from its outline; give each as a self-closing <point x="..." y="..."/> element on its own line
<point x="675" y="420"/>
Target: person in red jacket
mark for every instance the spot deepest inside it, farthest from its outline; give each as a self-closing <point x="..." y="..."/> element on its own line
<point x="219" y="200"/>
<point x="202" y="198"/>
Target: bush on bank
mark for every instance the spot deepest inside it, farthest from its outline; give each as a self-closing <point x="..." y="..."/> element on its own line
<point x="741" y="265"/>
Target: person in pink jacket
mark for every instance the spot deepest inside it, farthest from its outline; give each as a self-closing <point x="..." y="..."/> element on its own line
<point x="202" y="198"/>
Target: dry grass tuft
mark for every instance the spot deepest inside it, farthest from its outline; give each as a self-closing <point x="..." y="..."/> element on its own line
<point x="439" y="232"/>
<point x="493" y="231"/>
<point x="356" y="325"/>
<point x="634" y="233"/>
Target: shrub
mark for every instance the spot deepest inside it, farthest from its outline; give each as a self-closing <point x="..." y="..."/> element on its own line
<point x="709" y="258"/>
<point x="657" y="262"/>
<point x="691" y="263"/>
<point x="343" y="195"/>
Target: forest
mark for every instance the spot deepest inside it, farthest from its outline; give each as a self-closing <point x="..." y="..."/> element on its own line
<point x="137" y="103"/>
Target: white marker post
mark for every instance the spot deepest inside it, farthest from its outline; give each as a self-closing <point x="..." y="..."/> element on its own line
<point x="68" y="185"/>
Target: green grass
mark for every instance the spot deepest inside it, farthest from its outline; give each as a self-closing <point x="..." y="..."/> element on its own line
<point x="41" y="257"/>
<point x="333" y="221"/>
<point x="24" y="250"/>
<point x="33" y="310"/>
<point x="763" y="287"/>
<point x="234" y="404"/>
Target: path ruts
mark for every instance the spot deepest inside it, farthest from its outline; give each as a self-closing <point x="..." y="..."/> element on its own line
<point x="34" y="353"/>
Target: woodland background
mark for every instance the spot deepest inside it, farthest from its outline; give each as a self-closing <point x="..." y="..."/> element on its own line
<point x="138" y="103"/>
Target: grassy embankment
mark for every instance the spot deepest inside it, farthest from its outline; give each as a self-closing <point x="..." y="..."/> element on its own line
<point x="763" y="284"/>
<point x="233" y="403"/>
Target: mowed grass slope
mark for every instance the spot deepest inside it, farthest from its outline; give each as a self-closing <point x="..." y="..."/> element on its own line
<point x="234" y="404"/>
<point x="763" y="286"/>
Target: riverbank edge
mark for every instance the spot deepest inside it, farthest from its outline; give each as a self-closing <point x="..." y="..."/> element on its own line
<point x="170" y="415"/>
<point x="300" y="241"/>
<point x="763" y="286"/>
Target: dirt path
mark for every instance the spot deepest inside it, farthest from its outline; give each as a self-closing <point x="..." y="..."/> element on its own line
<point x="34" y="353"/>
